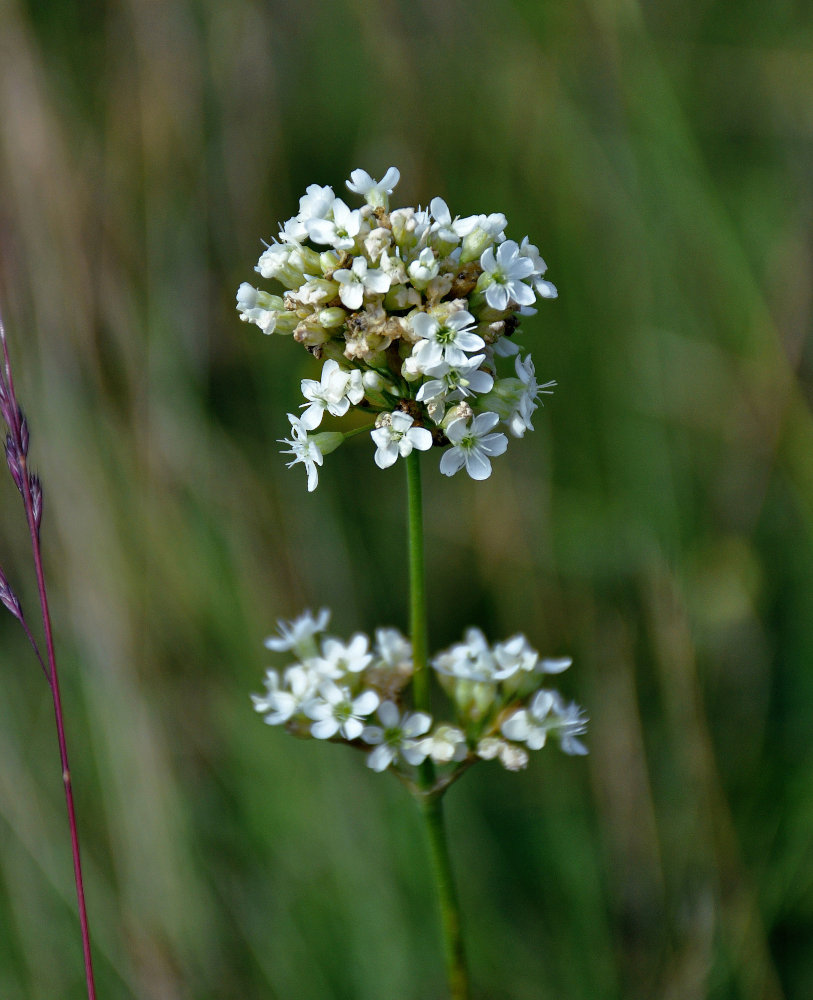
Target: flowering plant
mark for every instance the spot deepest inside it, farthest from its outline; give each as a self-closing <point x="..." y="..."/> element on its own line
<point x="412" y="313"/>
<point x="410" y="310"/>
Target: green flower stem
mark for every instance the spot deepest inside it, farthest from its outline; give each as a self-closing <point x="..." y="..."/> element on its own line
<point x="417" y="585"/>
<point x="454" y="955"/>
<point x="429" y="800"/>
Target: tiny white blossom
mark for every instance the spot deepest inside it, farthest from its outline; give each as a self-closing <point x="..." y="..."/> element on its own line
<point x="298" y="635"/>
<point x="357" y="280"/>
<point x="281" y="703"/>
<point x="547" y="713"/>
<point x="374" y="192"/>
<point x="424" y="269"/>
<point x="473" y="446"/>
<point x="258" y="307"/>
<point x="456" y="381"/>
<point x="398" y="437"/>
<point x="334" y="392"/>
<point x="341" y="231"/>
<point x="511" y="756"/>
<point x="520" y="419"/>
<point x="304" y="449"/>
<point x="444" y="341"/>
<point x="392" y="648"/>
<point x="334" y="710"/>
<point x="473" y="660"/>
<point x="446" y="744"/>
<point x="339" y="658"/>
<point x="507" y="269"/>
<point x="396" y="737"/>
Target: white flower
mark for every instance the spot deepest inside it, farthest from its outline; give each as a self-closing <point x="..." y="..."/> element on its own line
<point x="304" y="449"/>
<point x="280" y="704"/>
<point x="258" y="307"/>
<point x="392" y="648"/>
<point x="341" y="231"/>
<point x="273" y="263"/>
<point x="472" y="446"/>
<point x="516" y="655"/>
<point x="546" y="289"/>
<point x="396" y="737"/>
<point x="335" y="710"/>
<point x="520" y="419"/>
<point x="335" y="391"/>
<point x="374" y="192"/>
<point x="424" y="269"/>
<point x="507" y="269"/>
<point x="357" y="280"/>
<point x="444" y="227"/>
<point x="444" y="341"/>
<point x="455" y="382"/>
<point x="298" y="635"/>
<point x="479" y="232"/>
<point x="512" y="757"/>
<point x="473" y="660"/>
<point x="399" y="437"/>
<point x="446" y="744"/>
<point x="339" y="659"/>
<point x="547" y="713"/>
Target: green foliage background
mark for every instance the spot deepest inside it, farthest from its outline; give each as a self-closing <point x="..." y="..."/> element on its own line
<point x="657" y="526"/>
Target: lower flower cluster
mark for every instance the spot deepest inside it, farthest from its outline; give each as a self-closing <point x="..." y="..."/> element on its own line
<point x="357" y="692"/>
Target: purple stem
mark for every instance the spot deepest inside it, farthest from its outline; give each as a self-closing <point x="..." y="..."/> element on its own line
<point x="19" y="436"/>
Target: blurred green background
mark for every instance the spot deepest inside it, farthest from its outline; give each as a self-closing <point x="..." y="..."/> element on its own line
<point x="658" y="526"/>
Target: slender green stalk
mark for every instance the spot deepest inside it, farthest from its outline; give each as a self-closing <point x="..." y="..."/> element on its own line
<point x="417" y="585"/>
<point x="429" y="799"/>
<point x="454" y="955"/>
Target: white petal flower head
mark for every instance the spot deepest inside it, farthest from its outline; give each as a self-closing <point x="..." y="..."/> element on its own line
<point x="396" y="737"/>
<point x="258" y="307"/>
<point x="299" y="635"/>
<point x="511" y="756"/>
<point x="392" y="648"/>
<point x="447" y="230"/>
<point x="507" y="270"/>
<point x="424" y="269"/>
<point x="316" y="203"/>
<point x="457" y="381"/>
<point x="334" y="710"/>
<point x="339" y="659"/>
<point x="341" y="231"/>
<point x="527" y="249"/>
<point x="332" y="393"/>
<point x="399" y="437"/>
<point x="444" y="341"/>
<point x="520" y="419"/>
<point x="304" y="449"/>
<point x="358" y="279"/>
<point x="516" y="655"/>
<point x="547" y="713"/>
<point x="375" y="193"/>
<point x="473" y="446"/>
<point x="446" y="744"/>
<point x="281" y="703"/>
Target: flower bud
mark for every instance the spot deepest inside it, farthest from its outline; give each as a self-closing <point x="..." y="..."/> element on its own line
<point x="328" y="441"/>
<point x="332" y="317"/>
<point x="424" y="269"/>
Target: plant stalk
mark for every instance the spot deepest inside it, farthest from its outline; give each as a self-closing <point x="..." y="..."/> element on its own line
<point x="15" y="419"/>
<point x="429" y="801"/>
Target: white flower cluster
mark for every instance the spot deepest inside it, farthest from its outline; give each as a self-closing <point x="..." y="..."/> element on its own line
<point x="355" y="692"/>
<point x="410" y="310"/>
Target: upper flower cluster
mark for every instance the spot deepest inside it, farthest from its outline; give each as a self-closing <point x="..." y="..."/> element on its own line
<point x="410" y="310"/>
<point x="357" y="692"/>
